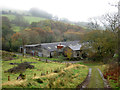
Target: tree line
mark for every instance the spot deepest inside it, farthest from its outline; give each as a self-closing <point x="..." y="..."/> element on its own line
<point x="46" y="31"/>
<point x="100" y="44"/>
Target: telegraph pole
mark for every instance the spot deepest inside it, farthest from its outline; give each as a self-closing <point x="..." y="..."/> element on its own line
<point x="119" y="13"/>
<point x="119" y="32"/>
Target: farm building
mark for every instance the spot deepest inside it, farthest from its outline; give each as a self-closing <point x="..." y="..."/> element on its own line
<point x="53" y="49"/>
<point x="74" y="51"/>
<point x="48" y="49"/>
<point x="34" y="50"/>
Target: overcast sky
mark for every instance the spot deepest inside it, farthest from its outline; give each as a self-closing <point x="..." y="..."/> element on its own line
<point x="74" y="10"/>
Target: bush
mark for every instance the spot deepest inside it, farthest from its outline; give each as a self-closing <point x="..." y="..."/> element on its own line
<point x="112" y="72"/>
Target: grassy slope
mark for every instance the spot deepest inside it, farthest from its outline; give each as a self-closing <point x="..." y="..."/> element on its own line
<point x="69" y="77"/>
<point x="30" y="19"/>
<point x="10" y="17"/>
<point x="29" y="72"/>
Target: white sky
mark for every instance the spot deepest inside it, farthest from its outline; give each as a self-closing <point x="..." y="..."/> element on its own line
<point x="74" y="10"/>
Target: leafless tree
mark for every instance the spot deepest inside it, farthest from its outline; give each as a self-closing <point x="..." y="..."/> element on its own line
<point x="94" y="24"/>
<point x="110" y="21"/>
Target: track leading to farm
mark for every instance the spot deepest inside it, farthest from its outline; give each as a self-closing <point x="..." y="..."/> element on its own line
<point x="95" y="81"/>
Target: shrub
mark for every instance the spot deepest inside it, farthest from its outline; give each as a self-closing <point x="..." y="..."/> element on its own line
<point x="112" y="72"/>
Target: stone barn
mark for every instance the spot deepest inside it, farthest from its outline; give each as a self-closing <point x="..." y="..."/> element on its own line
<point x="53" y="49"/>
<point x="34" y="49"/>
<point x="48" y="49"/>
<point x="73" y="51"/>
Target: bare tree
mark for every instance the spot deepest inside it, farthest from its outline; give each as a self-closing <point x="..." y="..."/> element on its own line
<point x="110" y="21"/>
<point x="94" y="24"/>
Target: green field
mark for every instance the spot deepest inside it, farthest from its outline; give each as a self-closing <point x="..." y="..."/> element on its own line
<point x="16" y="28"/>
<point x="29" y="19"/>
<point x="10" y="17"/>
<point x="68" y="75"/>
<point x="56" y="75"/>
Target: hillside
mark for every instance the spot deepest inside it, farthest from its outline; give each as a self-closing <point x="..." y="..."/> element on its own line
<point x="36" y="26"/>
<point x="29" y="19"/>
<point x="42" y="74"/>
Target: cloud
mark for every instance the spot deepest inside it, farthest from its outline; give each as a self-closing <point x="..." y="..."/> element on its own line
<point x="71" y="9"/>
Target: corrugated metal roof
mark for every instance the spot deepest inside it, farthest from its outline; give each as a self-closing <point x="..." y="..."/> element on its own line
<point x="33" y="45"/>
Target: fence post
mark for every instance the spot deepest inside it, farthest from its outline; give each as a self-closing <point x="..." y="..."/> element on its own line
<point x="8" y="78"/>
<point x="47" y="72"/>
<point x="34" y="74"/>
<point x="46" y="60"/>
<point x="25" y="76"/>
<point x="21" y="60"/>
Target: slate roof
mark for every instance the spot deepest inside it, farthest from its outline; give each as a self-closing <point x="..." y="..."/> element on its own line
<point x="53" y="46"/>
<point x="75" y="47"/>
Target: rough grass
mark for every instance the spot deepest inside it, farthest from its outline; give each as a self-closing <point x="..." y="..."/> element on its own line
<point x="40" y="67"/>
<point x="67" y="76"/>
<point x="8" y="55"/>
